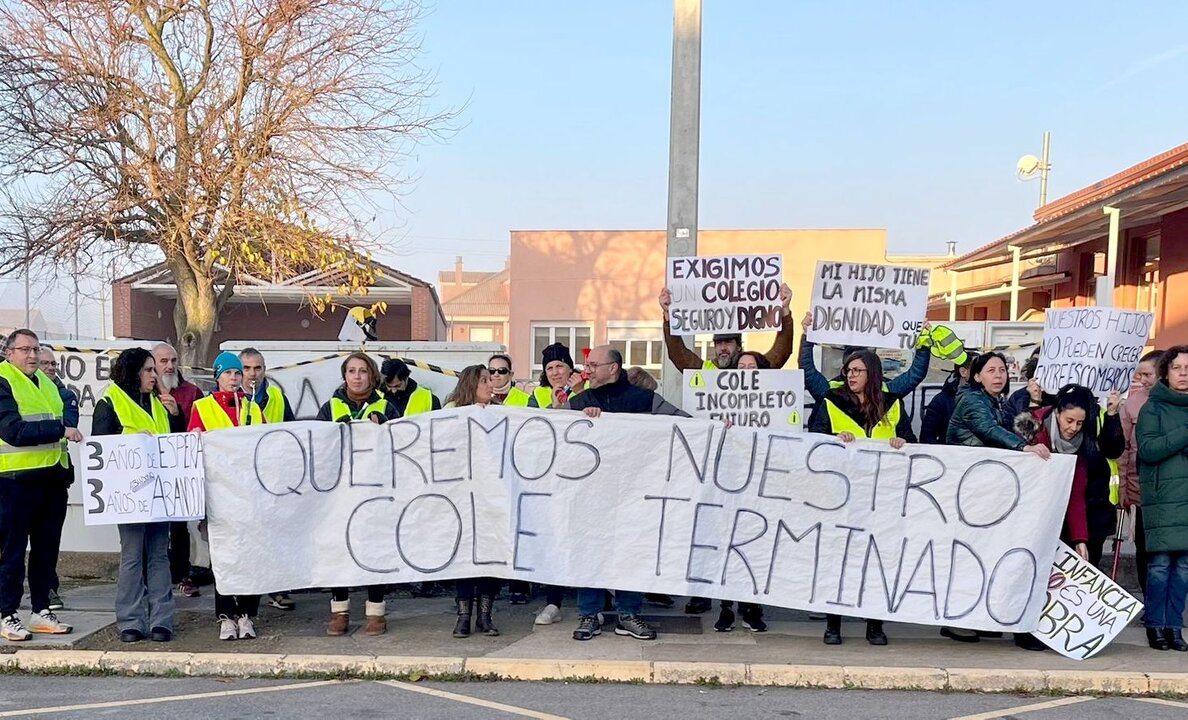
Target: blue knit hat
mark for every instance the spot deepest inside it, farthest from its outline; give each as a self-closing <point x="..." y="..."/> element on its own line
<point x="226" y="361"/>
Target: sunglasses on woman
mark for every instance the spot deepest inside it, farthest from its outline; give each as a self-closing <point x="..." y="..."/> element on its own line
<point x="498" y="371"/>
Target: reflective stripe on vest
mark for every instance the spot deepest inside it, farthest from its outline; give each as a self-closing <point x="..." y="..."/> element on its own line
<point x="841" y="422"/>
<point x="34" y="402"/>
<point x="340" y="410"/>
<point x="133" y="417"/>
<point x="421" y="401"/>
<point x="1115" y="490"/>
<point x="215" y="418"/>
<point x="274" y="411"/>
<point x="516" y="397"/>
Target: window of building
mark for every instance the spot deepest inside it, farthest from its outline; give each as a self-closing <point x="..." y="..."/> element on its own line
<point x="641" y="343"/>
<point x="481" y="334"/>
<point x="573" y="336"/>
<point x="1147" y="298"/>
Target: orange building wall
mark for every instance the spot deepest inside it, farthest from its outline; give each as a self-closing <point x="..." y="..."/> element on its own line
<point x="559" y="277"/>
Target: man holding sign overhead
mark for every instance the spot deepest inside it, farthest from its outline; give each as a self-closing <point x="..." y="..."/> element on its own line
<point x="726" y="296"/>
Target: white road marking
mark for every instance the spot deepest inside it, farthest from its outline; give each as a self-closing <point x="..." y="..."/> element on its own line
<point x="1161" y="701"/>
<point x="170" y="698"/>
<point x="1005" y="712"/>
<point x="491" y="705"/>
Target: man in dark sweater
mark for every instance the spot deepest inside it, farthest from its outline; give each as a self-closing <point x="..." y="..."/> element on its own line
<point x="610" y="391"/>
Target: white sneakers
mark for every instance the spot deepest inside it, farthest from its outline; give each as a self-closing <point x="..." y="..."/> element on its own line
<point x="47" y="622"/>
<point x="228" y="628"/>
<point x="549" y="615"/>
<point x="240" y="628"/>
<point x="11" y="628"/>
<point x="247" y="631"/>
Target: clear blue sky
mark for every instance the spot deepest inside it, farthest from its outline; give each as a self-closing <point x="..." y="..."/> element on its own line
<point x="907" y="116"/>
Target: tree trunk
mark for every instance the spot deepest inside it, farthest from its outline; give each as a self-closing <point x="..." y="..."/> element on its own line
<point x="194" y="315"/>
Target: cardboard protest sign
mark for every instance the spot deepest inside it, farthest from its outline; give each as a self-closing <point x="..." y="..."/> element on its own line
<point x="725" y="294"/>
<point x="747" y="398"/>
<point x="140" y="478"/>
<point x="1098" y="347"/>
<point x="1085" y="610"/>
<point x="880" y="306"/>
<point x="933" y="534"/>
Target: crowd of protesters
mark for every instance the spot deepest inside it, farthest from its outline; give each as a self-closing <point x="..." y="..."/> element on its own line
<point x="1142" y="440"/>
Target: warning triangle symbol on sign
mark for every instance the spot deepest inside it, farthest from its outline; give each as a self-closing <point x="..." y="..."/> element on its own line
<point x="697" y="381"/>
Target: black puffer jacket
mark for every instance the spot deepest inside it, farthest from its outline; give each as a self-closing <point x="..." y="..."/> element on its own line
<point x="623" y="397"/>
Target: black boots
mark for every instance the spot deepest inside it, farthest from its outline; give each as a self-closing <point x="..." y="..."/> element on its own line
<point x="462" y="627"/>
<point x="874" y="632"/>
<point x="832" y="630"/>
<point x="1174" y="639"/>
<point x="483" y="624"/>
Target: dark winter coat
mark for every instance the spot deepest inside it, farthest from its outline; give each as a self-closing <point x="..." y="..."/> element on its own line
<point x="623" y="397"/>
<point x="1162" y="435"/>
<point x="981" y="420"/>
<point x="934" y="422"/>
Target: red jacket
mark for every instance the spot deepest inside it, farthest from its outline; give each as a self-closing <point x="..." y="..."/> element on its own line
<point x="226" y="401"/>
<point x="1076" y="517"/>
<point x="186" y="394"/>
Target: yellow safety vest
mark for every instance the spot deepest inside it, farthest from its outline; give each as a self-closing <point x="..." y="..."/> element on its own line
<point x="215" y="418"/>
<point x="516" y="397"/>
<point x="841" y="422"/>
<point x="340" y="410"/>
<point x="1115" y="482"/>
<point x="709" y="365"/>
<point x="34" y="402"/>
<point x="274" y="411"/>
<point x="135" y="418"/>
<point x="544" y="397"/>
<point x="421" y="401"/>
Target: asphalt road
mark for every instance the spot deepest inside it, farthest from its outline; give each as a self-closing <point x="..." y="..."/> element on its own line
<point x="227" y="699"/>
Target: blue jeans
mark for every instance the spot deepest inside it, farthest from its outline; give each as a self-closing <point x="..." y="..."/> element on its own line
<point x="1167" y="586"/>
<point x="144" y="589"/>
<point x="589" y="602"/>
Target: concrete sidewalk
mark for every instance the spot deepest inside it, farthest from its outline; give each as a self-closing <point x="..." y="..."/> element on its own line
<point x="688" y="650"/>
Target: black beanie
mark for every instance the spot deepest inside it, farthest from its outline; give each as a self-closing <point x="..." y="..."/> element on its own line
<point x="556" y="351"/>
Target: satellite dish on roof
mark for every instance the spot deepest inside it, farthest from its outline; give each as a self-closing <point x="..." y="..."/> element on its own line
<point x="1027" y="166"/>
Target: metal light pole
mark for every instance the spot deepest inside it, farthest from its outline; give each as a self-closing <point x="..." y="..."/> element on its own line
<point x="683" y="148"/>
<point x="1045" y="165"/>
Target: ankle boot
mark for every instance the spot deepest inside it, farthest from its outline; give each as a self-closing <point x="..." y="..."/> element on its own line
<point x="833" y="630"/>
<point x="874" y="632"/>
<point x="462" y="627"/>
<point x="483" y="624"/>
<point x="1175" y="639"/>
<point x="377" y="621"/>
<point x="1156" y="639"/>
<point x="340" y="617"/>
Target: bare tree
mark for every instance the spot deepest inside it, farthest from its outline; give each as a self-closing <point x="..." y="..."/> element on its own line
<point x="234" y="136"/>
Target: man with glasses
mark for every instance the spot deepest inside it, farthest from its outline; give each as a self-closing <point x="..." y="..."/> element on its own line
<point x="32" y="491"/>
<point x="503" y="387"/>
<point x="48" y="363"/>
<point x="611" y="392"/>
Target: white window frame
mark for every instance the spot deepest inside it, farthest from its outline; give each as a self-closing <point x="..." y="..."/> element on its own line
<point x="569" y="339"/>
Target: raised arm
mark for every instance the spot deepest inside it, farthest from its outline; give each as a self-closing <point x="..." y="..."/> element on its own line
<point x="815" y="383"/>
<point x="785" y="339"/>
<point x="680" y="355"/>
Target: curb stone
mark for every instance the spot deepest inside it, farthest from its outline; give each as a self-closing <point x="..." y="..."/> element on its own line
<point x="761" y="674"/>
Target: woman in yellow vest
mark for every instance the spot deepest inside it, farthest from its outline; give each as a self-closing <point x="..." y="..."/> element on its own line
<point x="557" y="375"/>
<point x="503" y="382"/>
<point x="860" y="408"/>
<point x="228" y="407"/>
<point x="474" y="388"/>
<point x="358" y="400"/>
<point x="144" y="588"/>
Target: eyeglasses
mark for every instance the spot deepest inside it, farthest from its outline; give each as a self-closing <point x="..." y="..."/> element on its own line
<point x="851" y="371"/>
<point x="499" y="371"/>
<point x="596" y="365"/>
<point x="27" y="350"/>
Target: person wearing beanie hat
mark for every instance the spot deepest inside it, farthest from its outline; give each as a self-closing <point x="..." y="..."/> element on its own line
<point x="402" y="392"/>
<point x="228" y="407"/>
<point x="558" y="373"/>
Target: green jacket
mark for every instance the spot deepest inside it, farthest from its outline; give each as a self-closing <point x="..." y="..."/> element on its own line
<point x="981" y="420"/>
<point x="1162" y="438"/>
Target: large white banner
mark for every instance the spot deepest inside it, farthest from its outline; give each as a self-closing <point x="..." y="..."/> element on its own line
<point x="747" y="398"/>
<point x="881" y="306"/>
<point x="140" y="478"/>
<point x="926" y="534"/>
<point x="725" y="294"/>
<point x="1098" y="347"/>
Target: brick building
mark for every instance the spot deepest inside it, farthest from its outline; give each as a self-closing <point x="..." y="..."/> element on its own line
<point x="476" y="304"/>
<point x="259" y="309"/>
